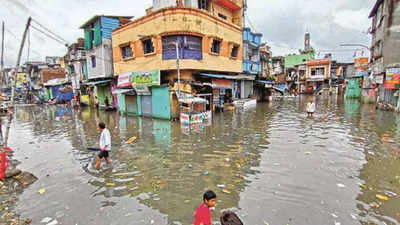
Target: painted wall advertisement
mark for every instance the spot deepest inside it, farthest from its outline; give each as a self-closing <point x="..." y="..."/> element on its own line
<point x="392" y="79"/>
<point x="146" y="78"/>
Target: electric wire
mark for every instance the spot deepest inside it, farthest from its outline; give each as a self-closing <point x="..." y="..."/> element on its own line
<point x="49" y="31"/>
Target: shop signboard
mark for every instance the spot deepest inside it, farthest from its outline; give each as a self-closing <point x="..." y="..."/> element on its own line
<point x="222" y="83"/>
<point x="361" y="64"/>
<point x="379" y="79"/>
<point x="392" y="79"/>
<point x="146" y="78"/>
<point x="124" y="80"/>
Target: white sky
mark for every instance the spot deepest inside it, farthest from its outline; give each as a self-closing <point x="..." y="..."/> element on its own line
<point x="282" y="22"/>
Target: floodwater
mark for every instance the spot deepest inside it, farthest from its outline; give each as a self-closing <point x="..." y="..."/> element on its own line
<point x="276" y="166"/>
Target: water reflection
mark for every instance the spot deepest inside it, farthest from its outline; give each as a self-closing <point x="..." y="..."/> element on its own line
<point x="275" y="164"/>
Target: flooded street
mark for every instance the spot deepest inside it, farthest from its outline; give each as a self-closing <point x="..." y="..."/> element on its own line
<point x="270" y="164"/>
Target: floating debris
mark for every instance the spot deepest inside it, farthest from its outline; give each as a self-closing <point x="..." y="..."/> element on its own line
<point x="382" y="197"/>
<point x="42" y="191"/>
<point x="131" y="140"/>
<point x="341" y="185"/>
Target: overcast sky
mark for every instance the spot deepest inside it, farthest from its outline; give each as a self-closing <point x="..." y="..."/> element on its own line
<point x="283" y="23"/>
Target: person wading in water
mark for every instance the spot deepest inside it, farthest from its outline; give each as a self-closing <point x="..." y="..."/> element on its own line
<point x="105" y="145"/>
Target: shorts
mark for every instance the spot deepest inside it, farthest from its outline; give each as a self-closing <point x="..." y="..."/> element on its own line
<point x="103" y="154"/>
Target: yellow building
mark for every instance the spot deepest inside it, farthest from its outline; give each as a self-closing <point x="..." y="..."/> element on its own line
<point x="209" y="37"/>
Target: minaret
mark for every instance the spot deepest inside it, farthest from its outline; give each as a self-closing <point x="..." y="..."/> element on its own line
<point x="307" y="42"/>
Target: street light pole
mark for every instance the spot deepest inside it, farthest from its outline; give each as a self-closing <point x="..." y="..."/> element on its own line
<point x="179" y="71"/>
<point x="353" y="45"/>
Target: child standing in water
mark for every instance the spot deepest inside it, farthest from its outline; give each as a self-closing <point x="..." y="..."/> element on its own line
<point x="310" y="108"/>
<point x="203" y="213"/>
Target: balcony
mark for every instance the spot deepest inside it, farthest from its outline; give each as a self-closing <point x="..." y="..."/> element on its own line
<point x="233" y="5"/>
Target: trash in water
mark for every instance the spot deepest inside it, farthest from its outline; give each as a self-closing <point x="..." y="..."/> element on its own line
<point x="190" y="166"/>
<point x="187" y="201"/>
<point x="382" y="197"/>
<point x="337" y="223"/>
<point x="353" y="216"/>
<point x="128" y="214"/>
<point x="265" y="222"/>
<point x="390" y="194"/>
<point x="363" y="186"/>
<point x="46" y="220"/>
<point x="131" y="140"/>
<point x="341" y="185"/>
<point x="374" y="205"/>
<point x="226" y="191"/>
<point x="205" y="173"/>
<point x="221" y="186"/>
<point x="227" y="159"/>
<point x="54" y="222"/>
<point x="110" y="184"/>
<point x="159" y="182"/>
<point x="307" y="153"/>
<point x="334" y="215"/>
<point x="42" y="191"/>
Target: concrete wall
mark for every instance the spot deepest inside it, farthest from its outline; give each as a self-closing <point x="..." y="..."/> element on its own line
<point x="295" y="60"/>
<point x="170" y="21"/>
<point x="104" y="66"/>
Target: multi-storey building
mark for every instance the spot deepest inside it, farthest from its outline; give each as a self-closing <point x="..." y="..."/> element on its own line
<point x="207" y="36"/>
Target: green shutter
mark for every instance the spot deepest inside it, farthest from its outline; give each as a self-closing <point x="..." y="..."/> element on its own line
<point x="88" y="40"/>
<point x="97" y="34"/>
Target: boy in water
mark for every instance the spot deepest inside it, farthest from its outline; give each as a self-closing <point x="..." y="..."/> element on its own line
<point x="230" y="218"/>
<point x="203" y="213"/>
<point x="105" y="145"/>
<point x="310" y="108"/>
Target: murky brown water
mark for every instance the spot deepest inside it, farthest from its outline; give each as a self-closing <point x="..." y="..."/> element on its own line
<point x="277" y="166"/>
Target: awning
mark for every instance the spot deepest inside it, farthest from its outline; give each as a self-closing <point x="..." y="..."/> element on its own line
<point x="97" y="82"/>
<point x="141" y="90"/>
<point x="237" y="77"/>
<point x="121" y="91"/>
<point x="265" y="81"/>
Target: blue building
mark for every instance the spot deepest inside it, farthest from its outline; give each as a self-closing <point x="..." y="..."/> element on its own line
<point x="251" y="52"/>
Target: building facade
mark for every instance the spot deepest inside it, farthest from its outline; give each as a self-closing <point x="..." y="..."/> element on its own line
<point x="385" y="59"/>
<point x="318" y="75"/>
<point x="207" y="36"/>
<point x="98" y="47"/>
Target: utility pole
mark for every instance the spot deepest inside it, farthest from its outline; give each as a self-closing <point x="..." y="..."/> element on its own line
<point x="244" y="12"/>
<point x="11" y="107"/>
<point x="2" y="54"/>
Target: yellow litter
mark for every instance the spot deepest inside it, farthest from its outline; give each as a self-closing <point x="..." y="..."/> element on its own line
<point x="131" y="140"/>
<point x="42" y="191"/>
<point x="110" y="184"/>
<point x="226" y="191"/>
<point x="382" y="197"/>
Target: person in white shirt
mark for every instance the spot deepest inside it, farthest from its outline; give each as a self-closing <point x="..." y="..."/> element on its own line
<point x="310" y="108"/>
<point x="105" y="145"/>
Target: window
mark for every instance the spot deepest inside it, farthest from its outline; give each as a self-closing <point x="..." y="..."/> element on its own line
<point x="318" y="72"/>
<point x="216" y="46"/>
<point x="126" y="52"/>
<point x="190" y="47"/>
<point x="93" y="60"/>
<point x="222" y="16"/>
<point x="202" y="4"/>
<point x="148" y="46"/>
<point x="235" y="50"/>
